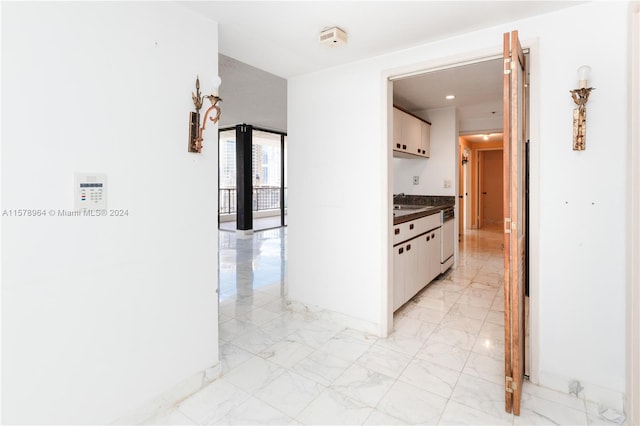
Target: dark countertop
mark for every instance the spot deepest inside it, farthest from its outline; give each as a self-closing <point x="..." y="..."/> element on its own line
<point x="401" y="216"/>
<point x="416" y="206"/>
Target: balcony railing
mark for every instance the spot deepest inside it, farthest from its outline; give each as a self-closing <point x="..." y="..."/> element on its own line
<point x="264" y="198"/>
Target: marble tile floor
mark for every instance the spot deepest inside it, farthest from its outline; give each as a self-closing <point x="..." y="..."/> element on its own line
<point x="259" y="224"/>
<point x="443" y="363"/>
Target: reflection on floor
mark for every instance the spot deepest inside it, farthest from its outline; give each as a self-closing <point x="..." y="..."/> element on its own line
<point x="443" y="363"/>
<point x="259" y="224"/>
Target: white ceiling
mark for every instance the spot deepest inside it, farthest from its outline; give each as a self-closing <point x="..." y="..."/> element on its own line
<point x="477" y="89"/>
<point x="281" y="38"/>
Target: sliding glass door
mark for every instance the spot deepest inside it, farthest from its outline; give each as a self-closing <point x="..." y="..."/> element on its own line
<point x="268" y="177"/>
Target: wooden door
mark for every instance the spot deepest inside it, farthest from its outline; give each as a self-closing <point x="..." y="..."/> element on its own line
<point x="514" y="181"/>
<point x="462" y="203"/>
<point x="491" y="190"/>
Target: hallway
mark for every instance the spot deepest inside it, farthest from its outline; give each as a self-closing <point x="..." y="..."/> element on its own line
<point x="443" y="363"/>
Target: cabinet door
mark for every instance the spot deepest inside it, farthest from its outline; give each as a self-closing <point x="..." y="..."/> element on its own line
<point x="434" y="253"/>
<point x="425" y="138"/>
<point x="412" y="134"/>
<point x="398" y="276"/>
<point x="424" y="262"/>
<point x="411" y="269"/>
<point x="397" y="129"/>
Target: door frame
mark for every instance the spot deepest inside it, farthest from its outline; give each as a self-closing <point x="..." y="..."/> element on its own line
<point x="386" y="108"/>
<point x="632" y="397"/>
<point x="463" y="199"/>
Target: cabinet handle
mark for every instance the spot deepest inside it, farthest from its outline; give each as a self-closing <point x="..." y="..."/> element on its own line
<point x="396" y="231"/>
<point x="397" y="145"/>
<point x="404" y="147"/>
<point x="428" y="238"/>
<point x="411" y="226"/>
<point x="408" y="247"/>
<point x="433" y="235"/>
<point x="401" y="250"/>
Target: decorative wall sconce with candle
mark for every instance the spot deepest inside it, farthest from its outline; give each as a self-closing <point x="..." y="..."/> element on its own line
<point x="580" y="97"/>
<point x="195" y="131"/>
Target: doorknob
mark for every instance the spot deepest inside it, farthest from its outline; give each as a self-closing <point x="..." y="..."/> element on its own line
<point x="484" y="193"/>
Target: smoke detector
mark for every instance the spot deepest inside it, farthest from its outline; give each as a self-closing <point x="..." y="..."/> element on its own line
<point x="333" y="36"/>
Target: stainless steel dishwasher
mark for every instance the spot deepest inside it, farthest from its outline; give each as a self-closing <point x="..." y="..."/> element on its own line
<point x="447" y="239"/>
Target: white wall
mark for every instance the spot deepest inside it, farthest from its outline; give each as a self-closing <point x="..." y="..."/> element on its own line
<point x="337" y="215"/>
<point x="440" y="166"/>
<point x="581" y="204"/>
<point x="99" y="315"/>
<point x="632" y="403"/>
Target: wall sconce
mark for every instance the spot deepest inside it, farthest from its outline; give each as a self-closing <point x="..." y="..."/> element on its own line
<point x="195" y="131"/>
<point x="580" y="97"/>
<point x="465" y="157"/>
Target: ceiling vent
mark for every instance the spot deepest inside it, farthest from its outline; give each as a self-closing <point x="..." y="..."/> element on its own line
<point x="333" y="36"/>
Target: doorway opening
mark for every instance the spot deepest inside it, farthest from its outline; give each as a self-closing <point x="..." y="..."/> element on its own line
<point x="480" y="182"/>
<point x="422" y="93"/>
<point x="459" y="100"/>
<point x="490" y="185"/>
<point x="252" y="179"/>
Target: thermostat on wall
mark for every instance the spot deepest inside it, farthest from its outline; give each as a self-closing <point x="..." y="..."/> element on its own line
<point x="90" y="191"/>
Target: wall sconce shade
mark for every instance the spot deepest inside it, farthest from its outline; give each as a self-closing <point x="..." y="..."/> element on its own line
<point x="581" y="97"/>
<point x="195" y="131"/>
<point x="583" y="75"/>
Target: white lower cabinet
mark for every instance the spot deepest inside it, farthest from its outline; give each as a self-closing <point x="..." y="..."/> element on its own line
<point x="411" y="271"/>
<point x="429" y="255"/>
<point x="405" y="271"/>
<point x="415" y="264"/>
<point x="424" y="266"/>
<point x="434" y="253"/>
<point x="398" y="276"/>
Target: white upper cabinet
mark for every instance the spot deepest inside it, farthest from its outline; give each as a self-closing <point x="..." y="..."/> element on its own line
<point x="425" y="136"/>
<point x="397" y="129"/>
<point x="410" y="135"/>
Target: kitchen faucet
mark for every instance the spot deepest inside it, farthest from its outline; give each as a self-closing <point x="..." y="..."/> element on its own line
<point x="398" y="195"/>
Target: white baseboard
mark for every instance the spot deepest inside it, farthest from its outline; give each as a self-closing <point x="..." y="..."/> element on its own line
<point x="337" y="317"/>
<point x="171" y="397"/>
<point x="595" y="393"/>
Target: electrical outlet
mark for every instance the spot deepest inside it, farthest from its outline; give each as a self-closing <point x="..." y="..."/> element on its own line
<point x="447" y="183"/>
<point x="416" y="180"/>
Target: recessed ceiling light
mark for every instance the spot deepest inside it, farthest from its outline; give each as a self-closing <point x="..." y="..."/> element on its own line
<point x="449" y="97"/>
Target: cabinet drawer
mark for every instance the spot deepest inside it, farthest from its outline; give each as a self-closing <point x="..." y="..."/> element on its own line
<point x="408" y="230"/>
<point x="403" y="231"/>
<point x="428" y="223"/>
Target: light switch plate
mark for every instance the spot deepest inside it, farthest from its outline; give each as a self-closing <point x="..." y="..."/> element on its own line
<point x="447" y="183"/>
